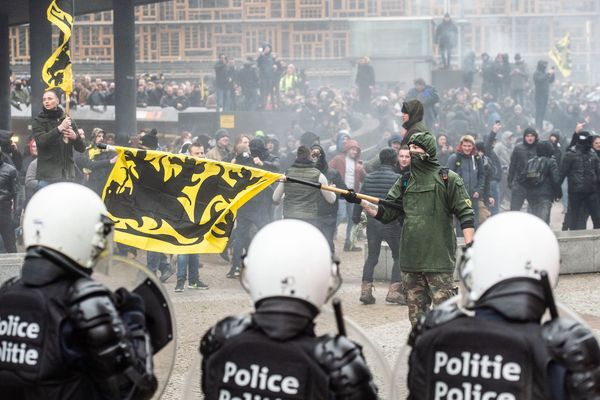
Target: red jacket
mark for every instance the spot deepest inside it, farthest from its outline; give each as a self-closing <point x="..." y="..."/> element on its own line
<point x="339" y="164"/>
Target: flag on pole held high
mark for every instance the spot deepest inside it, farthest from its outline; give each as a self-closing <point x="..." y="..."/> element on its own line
<point x="172" y="203"/>
<point x="561" y="55"/>
<point x="58" y="71"/>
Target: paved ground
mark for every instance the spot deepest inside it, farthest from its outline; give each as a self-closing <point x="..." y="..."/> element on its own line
<point x="386" y="325"/>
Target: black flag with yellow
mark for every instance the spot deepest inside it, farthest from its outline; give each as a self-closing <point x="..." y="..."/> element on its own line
<point x="172" y="203"/>
<point x="57" y="70"/>
<point x="561" y="55"/>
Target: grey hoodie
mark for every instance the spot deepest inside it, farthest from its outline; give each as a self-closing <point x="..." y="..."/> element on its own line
<point x="504" y="148"/>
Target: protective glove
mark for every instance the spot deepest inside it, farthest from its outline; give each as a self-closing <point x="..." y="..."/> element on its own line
<point x="350" y="197"/>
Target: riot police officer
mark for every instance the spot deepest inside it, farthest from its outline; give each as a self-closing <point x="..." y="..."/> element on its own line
<point x="491" y="343"/>
<point x="63" y="335"/>
<point x="274" y="353"/>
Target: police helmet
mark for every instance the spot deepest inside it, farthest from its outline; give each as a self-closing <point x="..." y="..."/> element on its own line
<point x="70" y="219"/>
<point x="508" y="245"/>
<point x="290" y="258"/>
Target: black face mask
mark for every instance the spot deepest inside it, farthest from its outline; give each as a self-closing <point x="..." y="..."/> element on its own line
<point x="417" y="156"/>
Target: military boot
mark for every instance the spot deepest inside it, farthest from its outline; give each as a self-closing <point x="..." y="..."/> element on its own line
<point x="396" y="294"/>
<point x="366" y="293"/>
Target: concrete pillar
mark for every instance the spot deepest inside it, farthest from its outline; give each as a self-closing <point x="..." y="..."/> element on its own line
<point x="4" y="74"/>
<point x="40" y="48"/>
<point x="125" y="78"/>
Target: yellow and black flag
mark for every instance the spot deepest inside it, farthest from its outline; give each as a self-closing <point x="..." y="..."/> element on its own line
<point x="58" y="71"/>
<point x="172" y="203"/>
<point x="561" y="55"/>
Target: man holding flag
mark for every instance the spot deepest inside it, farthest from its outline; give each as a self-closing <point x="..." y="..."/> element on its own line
<point x="54" y="131"/>
<point x="56" y="137"/>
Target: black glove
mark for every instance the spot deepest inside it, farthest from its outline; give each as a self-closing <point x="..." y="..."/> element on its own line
<point x="350" y="197"/>
<point x="128" y="301"/>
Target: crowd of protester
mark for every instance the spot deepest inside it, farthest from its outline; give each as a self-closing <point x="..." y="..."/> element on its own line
<point x="523" y="139"/>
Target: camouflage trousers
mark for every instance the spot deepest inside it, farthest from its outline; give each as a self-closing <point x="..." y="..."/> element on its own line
<point x="424" y="288"/>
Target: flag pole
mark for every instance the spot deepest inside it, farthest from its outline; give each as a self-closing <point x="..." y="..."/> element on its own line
<point x="68" y="94"/>
<point x="316" y="185"/>
<point x="371" y="199"/>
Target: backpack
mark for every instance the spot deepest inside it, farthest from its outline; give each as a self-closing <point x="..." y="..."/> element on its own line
<point x="534" y="172"/>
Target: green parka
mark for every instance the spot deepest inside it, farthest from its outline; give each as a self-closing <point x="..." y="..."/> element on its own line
<point x="428" y="242"/>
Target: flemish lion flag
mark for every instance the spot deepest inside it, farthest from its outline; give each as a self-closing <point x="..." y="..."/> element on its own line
<point x="172" y="203"/>
<point x="561" y="55"/>
<point x="58" y="71"/>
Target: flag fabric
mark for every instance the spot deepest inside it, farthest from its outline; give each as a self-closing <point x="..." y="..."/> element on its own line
<point x="57" y="70"/>
<point x="176" y="204"/>
<point x="561" y="55"/>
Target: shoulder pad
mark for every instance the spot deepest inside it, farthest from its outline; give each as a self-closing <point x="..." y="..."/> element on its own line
<point x="343" y="361"/>
<point x="442" y="314"/>
<point x="9" y="282"/>
<point x="571" y="343"/>
<point x="438" y="316"/>
<point x="85" y="287"/>
<point x="225" y="329"/>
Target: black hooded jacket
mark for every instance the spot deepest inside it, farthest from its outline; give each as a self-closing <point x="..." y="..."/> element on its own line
<point x="581" y="166"/>
<point x="8" y="187"/>
<point x="549" y="189"/>
<point x="493" y="157"/>
<point x="521" y="154"/>
<point x="55" y="157"/>
<point x="542" y="80"/>
<point x="261" y="203"/>
<point x="10" y="155"/>
<point x="415" y="123"/>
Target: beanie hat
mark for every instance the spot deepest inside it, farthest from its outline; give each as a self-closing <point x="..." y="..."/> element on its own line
<point x="480" y="146"/>
<point x="221" y="133"/>
<point x="584" y="138"/>
<point x="395" y="139"/>
<point x="309" y="138"/>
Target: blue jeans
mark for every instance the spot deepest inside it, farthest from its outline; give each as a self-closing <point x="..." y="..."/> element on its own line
<point x="541" y="208"/>
<point x="346" y="210"/>
<point x="157" y="261"/>
<point x="188" y="263"/>
<point x="496" y="193"/>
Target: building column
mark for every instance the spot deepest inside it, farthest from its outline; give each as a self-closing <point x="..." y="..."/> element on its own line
<point x="40" y="48"/>
<point x="5" y="122"/>
<point x="125" y="78"/>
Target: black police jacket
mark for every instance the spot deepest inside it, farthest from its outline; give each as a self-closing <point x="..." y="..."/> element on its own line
<point x="33" y="315"/>
<point x="8" y="187"/>
<point x="582" y="167"/>
<point x="478" y="356"/>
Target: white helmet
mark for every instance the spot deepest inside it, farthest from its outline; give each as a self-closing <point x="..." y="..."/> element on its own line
<point x="70" y="219"/>
<point x="290" y="258"/>
<point x="508" y="245"/>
